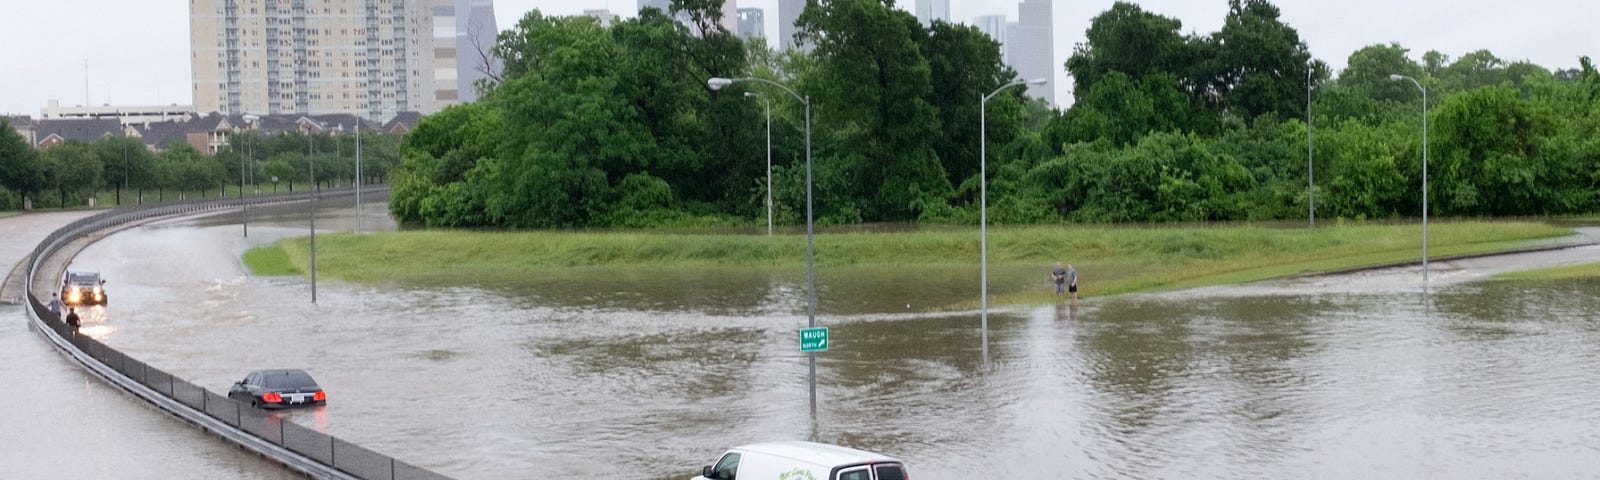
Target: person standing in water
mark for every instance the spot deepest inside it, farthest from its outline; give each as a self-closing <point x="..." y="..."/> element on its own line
<point x="1072" y="283"/>
<point x="1059" y="276"/>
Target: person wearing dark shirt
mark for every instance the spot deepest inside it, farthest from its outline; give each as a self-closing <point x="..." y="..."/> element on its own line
<point x="72" y="318"/>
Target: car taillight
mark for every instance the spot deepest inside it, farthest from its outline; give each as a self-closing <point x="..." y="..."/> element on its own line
<point x="320" y="397"/>
<point x="272" y="398"/>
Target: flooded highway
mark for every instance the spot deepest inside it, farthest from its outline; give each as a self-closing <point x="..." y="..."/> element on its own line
<point x="57" y="420"/>
<point x="650" y="373"/>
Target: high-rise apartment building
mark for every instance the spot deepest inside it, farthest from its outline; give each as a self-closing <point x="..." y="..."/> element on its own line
<point x="930" y="10"/>
<point x="1034" y="55"/>
<point x="752" y="23"/>
<point x="368" y="57"/>
<point x="995" y="27"/>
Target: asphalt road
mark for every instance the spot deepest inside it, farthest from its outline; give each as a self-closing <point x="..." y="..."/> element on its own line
<point x="59" y="421"/>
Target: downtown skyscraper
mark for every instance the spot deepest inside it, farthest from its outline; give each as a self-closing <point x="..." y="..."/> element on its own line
<point x="1034" y="53"/>
<point x="930" y="10"/>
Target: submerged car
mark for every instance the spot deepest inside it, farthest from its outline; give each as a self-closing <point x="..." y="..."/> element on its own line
<point x="83" y="288"/>
<point x="284" y="388"/>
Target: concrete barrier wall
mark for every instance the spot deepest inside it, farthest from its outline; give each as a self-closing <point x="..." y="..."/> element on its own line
<point x="309" y="451"/>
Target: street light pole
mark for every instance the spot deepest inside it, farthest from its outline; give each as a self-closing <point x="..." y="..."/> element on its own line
<point x="1397" y="77"/>
<point x="1311" y="183"/>
<point x="983" y="200"/>
<point x="312" y="160"/>
<point x="124" y="170"/>
<point x="358" y="174"/>
<point x="716" y="83"/>
<point x="244" y="214"/>
<point x="769" y="157"/>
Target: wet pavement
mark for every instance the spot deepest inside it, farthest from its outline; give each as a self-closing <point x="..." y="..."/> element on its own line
<point x="59" y="421"/>
<point x="649" y="373"/>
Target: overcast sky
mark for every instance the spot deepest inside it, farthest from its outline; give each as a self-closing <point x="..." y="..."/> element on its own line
<point x="138" y="51"/>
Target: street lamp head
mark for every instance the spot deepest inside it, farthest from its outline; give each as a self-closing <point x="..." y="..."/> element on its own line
<point x="751" y="94"/>
<point x="716" y="83"/>
<point x="1396" y="77"/>
<point x="1038" y="81"/>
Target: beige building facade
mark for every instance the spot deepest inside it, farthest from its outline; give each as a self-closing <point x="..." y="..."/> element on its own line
<point x="373" y="58"/>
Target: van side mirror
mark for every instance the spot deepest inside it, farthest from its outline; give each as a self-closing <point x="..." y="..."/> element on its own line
<point x="706" y="472"/>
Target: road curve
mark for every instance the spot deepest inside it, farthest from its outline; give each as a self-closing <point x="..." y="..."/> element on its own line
<point x="63" y="422"/>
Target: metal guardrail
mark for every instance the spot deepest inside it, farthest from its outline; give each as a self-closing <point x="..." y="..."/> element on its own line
<point x="308" y="451"/>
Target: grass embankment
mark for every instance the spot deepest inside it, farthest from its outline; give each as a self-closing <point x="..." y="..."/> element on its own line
<point x="1117" y="259"/>
<point x="269" y="261"/>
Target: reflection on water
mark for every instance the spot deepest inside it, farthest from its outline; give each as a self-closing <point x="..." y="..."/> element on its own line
<point x="651" y="373"/>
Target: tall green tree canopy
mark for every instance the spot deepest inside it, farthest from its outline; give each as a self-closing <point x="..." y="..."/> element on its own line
<point x="20" y="170"/>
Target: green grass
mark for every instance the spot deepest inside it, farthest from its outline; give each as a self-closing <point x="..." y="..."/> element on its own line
<point x="269" y="260"/>
<point x="1114" y="259"/>
<point x="1585" y="270"/>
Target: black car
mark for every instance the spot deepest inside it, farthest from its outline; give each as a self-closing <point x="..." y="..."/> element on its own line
<point x="279" y="389"/>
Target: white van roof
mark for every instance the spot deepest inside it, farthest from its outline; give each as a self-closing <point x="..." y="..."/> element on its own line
<point x="817" y="453"/>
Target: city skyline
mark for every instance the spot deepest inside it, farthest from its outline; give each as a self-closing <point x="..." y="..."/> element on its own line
<point x="140" y="54"/>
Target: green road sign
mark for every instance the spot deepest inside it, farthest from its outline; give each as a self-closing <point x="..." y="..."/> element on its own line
<point x="813" y="339"/>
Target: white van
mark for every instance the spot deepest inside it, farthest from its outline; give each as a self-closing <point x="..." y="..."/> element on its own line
<point x="802" y="461"/>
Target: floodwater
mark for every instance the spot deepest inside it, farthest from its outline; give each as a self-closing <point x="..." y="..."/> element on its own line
<point x="57" y="420"/>
<point x="651" y="373"/>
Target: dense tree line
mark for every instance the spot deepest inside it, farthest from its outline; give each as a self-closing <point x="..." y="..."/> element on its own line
<point x="70" y="173"/>
<point x="615" y="127"/>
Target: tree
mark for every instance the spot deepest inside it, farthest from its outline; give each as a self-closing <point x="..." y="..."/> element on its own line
<point x="1360" y="171"/>
<point x="872" y="92"/>
<point x="186" y="169"/>
<point x="73" y="168"/>
<point x="568" y="126"/>
<point x="964" y="65"/>
<point x="1137" y="43"/>
<point x="20" y="169"/>
<point x="1122" y="110"/>
<point x="661" y="71"/>
<point x="284" y="167"/>
<point x="1262" y="62"/>
<point x="1369" y="69"/>
<point x="1487" y="160"/>
<point x="122" y="159"/>
<point x="438" y="153"/>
